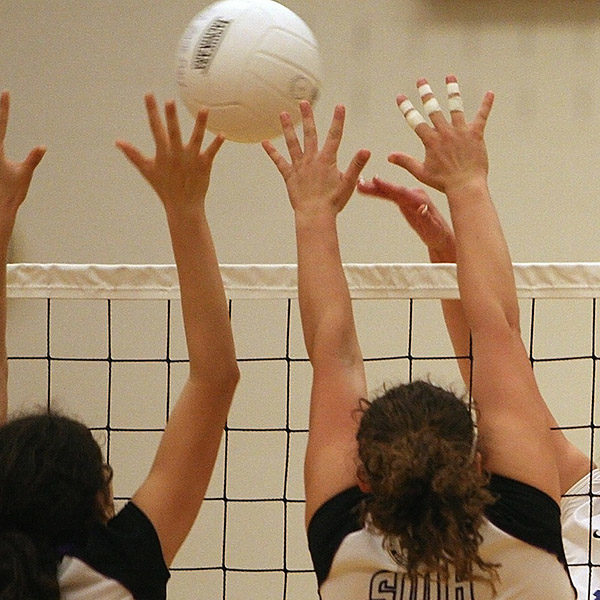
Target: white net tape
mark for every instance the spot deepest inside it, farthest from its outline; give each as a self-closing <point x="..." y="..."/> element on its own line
<point x="539" y="280"/>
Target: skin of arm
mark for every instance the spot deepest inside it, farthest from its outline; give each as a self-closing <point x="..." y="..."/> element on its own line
<point x="431" y="227"/>
<point x="516" y="441"/>
<point x="15" y="178"/>
<point x="173" y="492"/>
<point x="437" y="235"/>
<point x="318" y="191"/>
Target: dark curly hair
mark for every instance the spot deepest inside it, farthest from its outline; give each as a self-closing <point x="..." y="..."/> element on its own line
<point x="416" y="449"/>
<point x="52" y="476"/>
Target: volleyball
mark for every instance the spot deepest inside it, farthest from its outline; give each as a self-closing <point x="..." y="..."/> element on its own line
<point x="247" y="61"/>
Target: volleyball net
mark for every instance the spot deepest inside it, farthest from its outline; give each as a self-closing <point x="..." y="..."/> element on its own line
<point x="105" y="343"/>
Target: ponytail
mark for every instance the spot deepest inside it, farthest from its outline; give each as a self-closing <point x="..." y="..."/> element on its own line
<point x="428" y="499"/>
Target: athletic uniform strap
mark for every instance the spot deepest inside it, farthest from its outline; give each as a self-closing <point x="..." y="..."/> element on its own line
<point x="528" y="514"/>
<point x="128" y="550"/>
<point x="330" y="524"/>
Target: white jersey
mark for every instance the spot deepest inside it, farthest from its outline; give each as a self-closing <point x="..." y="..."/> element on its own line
<point x="119" y="561"/>
<point x="521" y="533"/>
<point x="78" y="581"/>
<point x="580" y="516"/>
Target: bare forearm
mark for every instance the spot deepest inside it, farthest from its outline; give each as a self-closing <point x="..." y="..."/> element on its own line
<point x="325" y="304"/>
<point x="454" y="316"/>
<point x="204" y="305"/>
<point x="484" y="266"/>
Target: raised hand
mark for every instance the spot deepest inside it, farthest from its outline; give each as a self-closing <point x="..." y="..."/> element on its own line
<point x="174" y="490"/>
<point x="312" y="177"/>
<point x="318" y="191"/>
<point x="179" y="173"/>
<point x="455" y="152"/>
<point x="15" y="177"/>
<point x="420" y="213"/>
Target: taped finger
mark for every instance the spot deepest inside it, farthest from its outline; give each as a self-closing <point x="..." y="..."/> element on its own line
<point x="425" y="90"/>
<point x="455" y="102"/>
<point x="430" y="103"/>
<point x="431" y="106"/>
<point x="413" y="117"/>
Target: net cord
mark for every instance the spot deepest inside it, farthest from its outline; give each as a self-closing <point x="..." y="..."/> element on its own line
<point x="385" y="280"/>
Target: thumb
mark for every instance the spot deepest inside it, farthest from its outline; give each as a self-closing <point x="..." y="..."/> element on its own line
<point x="357" y="164"/>
<point x="34" y="157"/>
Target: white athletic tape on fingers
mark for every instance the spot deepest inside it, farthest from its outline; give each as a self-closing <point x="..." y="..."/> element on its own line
<point x="406" y="106"/>
<point x="455" y="103"/>
<point x="431" y="106"/>
<point x="425" y="89"/>
<point x="453" y="88"/>
<point x="411" y="114"/>
<point x="414" y="118"/>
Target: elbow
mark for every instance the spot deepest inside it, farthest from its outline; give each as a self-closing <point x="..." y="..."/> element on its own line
<point x="227" y="384"/>
<point x="496" y="321"/>
<point x="233" y="377"/>
<point x="219" y="380"/>
<point x="226" y="379"/>
<point x="499" y="331"/>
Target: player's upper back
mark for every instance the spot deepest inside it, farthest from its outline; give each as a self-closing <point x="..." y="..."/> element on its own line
<point x="363" y="569"/>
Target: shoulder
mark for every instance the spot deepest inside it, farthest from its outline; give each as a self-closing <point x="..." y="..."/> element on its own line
<point x="528" y="514"/>
<point x="330" y="525"/>
<point x="128" y="550"/>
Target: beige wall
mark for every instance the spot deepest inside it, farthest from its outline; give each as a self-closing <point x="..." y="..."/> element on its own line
<point x="78" y="70"/>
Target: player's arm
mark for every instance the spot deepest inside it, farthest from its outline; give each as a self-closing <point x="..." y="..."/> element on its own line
<point x="516" y="439"/>
<point x="175" y="487"/>
<point x="15" y="178"/>
<point x="429" y="224"/>
<point x="318" y="191"/>
<point x="431" y="227"/>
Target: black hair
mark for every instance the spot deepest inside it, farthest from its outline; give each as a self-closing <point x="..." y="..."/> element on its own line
<point x="52" y="474"/>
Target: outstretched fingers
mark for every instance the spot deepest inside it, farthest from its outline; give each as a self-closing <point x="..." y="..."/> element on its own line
<point x="410" y="163"/>
<point x="398" y="194"/>
<point x="372" y="187"/>
<point x="197" y="137"/>
<point x="156" y="125"/>
<point x="357" y="164"/>
<point x="214" y="147"/>
<point x="455" y="102"/>
<point x="173" y="129"/>
<point x="480" y="120"/>
<point x="414" y="203"/>
<point x="194" y="146"/>
<point x="413" y="117"/>
<point x="290" y="136"/>
<point x="135" y="157"/>
<point x="311" y="141"/>
<point x="431" y="106"/>
<point x="283" y="166"/>
<point x="34" y="157"/>
<point x="336" y="130"/>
